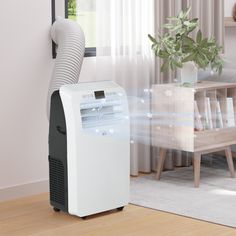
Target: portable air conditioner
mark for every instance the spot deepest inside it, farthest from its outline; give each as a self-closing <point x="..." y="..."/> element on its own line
<point x="89" y="148"/>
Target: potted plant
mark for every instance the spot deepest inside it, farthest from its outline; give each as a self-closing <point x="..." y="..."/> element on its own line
<point x="179" y="49"/>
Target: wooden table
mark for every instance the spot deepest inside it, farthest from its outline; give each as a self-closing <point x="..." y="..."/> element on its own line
<point x="174" y="121"/>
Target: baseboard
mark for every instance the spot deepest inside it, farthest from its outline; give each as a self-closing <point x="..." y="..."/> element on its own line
<point x="24" y="190"/>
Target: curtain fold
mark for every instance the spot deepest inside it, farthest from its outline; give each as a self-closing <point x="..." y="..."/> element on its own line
<point x="124" y="55"/>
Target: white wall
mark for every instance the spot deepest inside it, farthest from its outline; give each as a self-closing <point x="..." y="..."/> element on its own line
<point x="25" y="70"/>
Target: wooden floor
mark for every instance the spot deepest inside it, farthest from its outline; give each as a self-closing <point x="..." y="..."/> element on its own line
<point x="34" y="216"/>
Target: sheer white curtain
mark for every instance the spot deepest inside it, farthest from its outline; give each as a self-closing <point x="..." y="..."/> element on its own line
<point x="124" y="56"/>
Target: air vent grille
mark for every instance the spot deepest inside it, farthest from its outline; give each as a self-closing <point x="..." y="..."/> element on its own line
<point x="57" y="181"/>
<point x="101" y="115"/>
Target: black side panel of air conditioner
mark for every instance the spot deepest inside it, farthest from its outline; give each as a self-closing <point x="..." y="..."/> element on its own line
<point x="58" y="155"/>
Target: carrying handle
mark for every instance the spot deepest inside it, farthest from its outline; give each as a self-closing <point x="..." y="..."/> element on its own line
<point x="61" y="130"/>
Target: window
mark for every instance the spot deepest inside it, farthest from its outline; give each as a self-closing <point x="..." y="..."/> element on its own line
<point x="84" y="12"/>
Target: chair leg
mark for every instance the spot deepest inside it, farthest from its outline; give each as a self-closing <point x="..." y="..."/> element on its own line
<point x="197" y="168"/>
<point x="161" y="163"/>
<point x="230" y="162"/>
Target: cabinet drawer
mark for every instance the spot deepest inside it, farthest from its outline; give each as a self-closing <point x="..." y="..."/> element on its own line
<point x="210" y="139"/>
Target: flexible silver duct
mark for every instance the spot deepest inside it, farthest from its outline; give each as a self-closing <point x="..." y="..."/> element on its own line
<point x="69" y="37"/>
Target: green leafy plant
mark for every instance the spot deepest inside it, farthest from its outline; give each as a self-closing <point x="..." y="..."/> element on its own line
<point x="177" y="46"/>
<point x="72" y="7"/>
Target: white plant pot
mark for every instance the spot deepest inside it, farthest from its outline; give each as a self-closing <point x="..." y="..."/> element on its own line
<point x="189" y="73"/>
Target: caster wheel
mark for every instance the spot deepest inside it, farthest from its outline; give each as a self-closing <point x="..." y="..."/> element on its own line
<point x="56" y="209"/>
<point x="84" y="217"/>
<point x="120" y="208"/>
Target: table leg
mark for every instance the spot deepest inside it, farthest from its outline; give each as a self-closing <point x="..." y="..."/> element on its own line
<point x="230" y="162"/>
<point x="197" y="168"/>
<point x="161" y="161"/>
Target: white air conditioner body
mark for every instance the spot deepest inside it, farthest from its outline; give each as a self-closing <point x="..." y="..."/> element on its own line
<point x="98" y="147"/>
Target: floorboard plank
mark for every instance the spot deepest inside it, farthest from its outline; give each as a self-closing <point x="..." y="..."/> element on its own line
<point x="32" y="216"/>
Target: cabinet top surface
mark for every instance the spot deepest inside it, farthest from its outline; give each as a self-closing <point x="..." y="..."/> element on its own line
<point x="202" y="85"/>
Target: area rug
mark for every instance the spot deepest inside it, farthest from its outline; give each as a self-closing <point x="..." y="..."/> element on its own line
<point x="214" y="201"/>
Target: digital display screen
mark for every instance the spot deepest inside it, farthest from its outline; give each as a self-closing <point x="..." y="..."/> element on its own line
<point x="99" y="94"/>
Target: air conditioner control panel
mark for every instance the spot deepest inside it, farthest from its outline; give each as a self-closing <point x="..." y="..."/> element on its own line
<point x="101" y="111"/>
